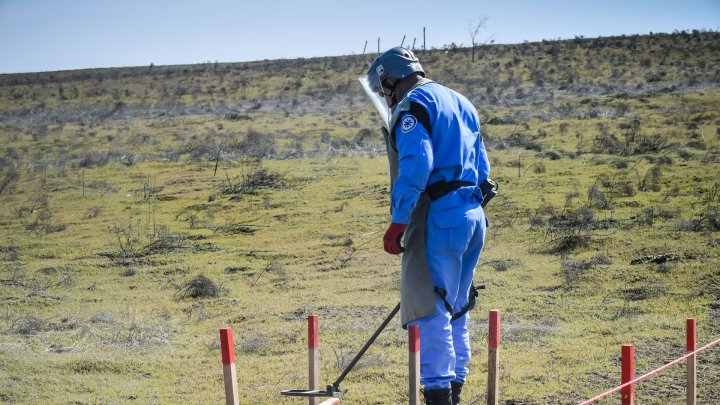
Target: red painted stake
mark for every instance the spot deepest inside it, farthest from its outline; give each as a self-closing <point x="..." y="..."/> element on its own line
<point x="493" y="395"/>
<point x="691" y="339"/>
<point x="628" y="374"/>
<point x="227" y="346"/>
<point x="313" y="357"/>
<point x="414" y="364"/>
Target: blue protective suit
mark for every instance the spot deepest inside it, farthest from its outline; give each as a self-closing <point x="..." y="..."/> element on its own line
<point x="450" y="149"/>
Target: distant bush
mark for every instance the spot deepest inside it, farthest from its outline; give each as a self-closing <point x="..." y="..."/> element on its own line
<point x="614" y="186"/>
<point x="8" y="176"/>
<point x="569" y="230"/>
<point x="520" y="140"/>
<point x="30" y="325"/>
<point x="101" y="158"/>
<point x="199" y="287"/>
<point x="706" y="221"/>
<point x="253" y="178"/>
<point x="684" y="153"/>
<point x="572" y="269"/>
<point x="699" y="145"/>
<point x="200" y="152"/>
<point x="92" y="212"/>
<point x="712" y="195"/>
<point x="551" y="155"/>
<point x="646" y="217"/>
<point x="363" y="136"/>
<point x="596" y="198"/>
<point x="569" y="243"/>
<point x="339" y="143"/>
<point x="128" y="272"/>
<point x="40" y="215"/>
<point x="643" y="290"/>
<point x="255" y="144"/>
<point x="631" y="142"/>
<point x="659" y="160"/>
<point x="503" y="265"/>
<point x="651" y="180"/>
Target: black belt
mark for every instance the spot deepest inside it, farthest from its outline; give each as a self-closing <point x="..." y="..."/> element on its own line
<point x="488" y="189"/>
<point x="441" y="188"/>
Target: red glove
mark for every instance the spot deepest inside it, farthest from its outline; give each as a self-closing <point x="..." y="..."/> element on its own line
<point x="392" y="238"/>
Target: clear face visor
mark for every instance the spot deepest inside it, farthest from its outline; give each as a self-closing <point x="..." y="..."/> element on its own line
<point x="377" y="99"/>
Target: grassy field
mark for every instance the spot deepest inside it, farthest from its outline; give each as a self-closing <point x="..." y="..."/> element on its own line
<point x="142" y="209"/>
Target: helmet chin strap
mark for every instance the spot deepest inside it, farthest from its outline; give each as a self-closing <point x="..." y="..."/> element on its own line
<point x="394" y="101"/>
<point x="392" y="93"/>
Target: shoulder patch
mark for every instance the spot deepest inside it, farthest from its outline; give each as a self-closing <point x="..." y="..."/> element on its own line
<point x="408" y="123"/>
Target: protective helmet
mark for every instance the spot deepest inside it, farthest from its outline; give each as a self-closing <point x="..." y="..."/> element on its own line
<point x="397" y="63"/>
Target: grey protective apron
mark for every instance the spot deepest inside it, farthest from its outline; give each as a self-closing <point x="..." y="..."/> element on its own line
<point x="417" y="294"/>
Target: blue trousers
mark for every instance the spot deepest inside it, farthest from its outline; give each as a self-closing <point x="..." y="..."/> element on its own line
<point x="454" y="240"/>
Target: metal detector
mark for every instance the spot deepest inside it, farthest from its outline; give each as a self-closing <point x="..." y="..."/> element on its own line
<point x="333" y="390"/>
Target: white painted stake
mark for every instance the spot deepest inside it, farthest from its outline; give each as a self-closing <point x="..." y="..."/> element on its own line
<point x="691" y="340"/>
<point x="414" y="364"/>
<point x="313" y="358"/>
<point x="493" y="388"/>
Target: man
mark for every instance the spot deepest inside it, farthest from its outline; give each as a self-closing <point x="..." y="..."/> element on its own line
<point x="437" y="161"/>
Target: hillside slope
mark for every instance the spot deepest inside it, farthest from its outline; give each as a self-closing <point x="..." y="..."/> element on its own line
<point x="144" y="208"/>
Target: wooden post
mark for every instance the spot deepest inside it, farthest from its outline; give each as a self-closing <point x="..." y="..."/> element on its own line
<point x="378" y="44"/>
<point x="691" y="339"/>
<point x="414" y="364"/>
<point x="403" y="41"/>
<point x="227" y="346"/>
<point x="493" y="357"/>
<point x="424" y="39"/>
<point x="364" y="48"/>
<point x="628" y="374"/>
<point x="313" y="358"/>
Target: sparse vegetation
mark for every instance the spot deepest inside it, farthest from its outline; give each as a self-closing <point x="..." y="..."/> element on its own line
<point x="144" y="208"/>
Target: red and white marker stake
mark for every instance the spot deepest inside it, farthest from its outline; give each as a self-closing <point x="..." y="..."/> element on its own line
<point x="493" y="357"/>
<point x="628" y="374"/>
<point x="227" y="346"/>
<point x="691" y="339"/>
<point x="313" y="357"/>
<point x="414" y="364"/>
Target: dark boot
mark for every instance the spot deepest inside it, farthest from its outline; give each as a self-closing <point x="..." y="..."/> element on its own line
<point x="456" y="388"/>
<point x="437" y="397"/>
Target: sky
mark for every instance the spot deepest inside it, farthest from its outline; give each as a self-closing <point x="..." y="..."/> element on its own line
<point x="49" y="35"/>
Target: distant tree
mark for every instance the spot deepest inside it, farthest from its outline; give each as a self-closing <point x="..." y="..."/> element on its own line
<point x="473" y="29"/>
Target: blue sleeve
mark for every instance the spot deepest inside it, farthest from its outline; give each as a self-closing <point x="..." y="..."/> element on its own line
<point x="415" y="156"/>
